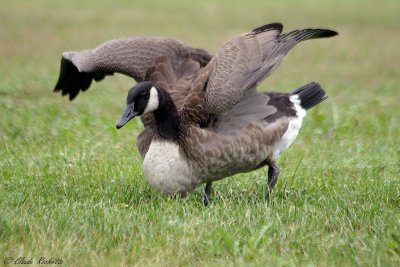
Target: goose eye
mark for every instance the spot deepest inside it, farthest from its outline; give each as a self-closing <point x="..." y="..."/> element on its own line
<point x="144" y="95"/>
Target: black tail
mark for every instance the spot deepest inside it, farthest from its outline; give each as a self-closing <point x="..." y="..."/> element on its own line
<point x="310" y="95"/>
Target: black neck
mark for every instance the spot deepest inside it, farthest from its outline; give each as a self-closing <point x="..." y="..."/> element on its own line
<point x="167" y="118"/>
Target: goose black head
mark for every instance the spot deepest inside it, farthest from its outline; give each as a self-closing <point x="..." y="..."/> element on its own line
<point x="141" y="99"/>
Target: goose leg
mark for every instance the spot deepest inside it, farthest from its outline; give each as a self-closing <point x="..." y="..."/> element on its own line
<point x="207" y="194"/>
<point x="273" y="172"/>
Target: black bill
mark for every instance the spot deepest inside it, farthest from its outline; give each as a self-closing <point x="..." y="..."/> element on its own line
<point x="129" y="114"/>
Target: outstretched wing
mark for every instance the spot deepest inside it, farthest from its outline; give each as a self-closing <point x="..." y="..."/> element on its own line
<point x="130" y="56"/>
<point x="246" y="60"/>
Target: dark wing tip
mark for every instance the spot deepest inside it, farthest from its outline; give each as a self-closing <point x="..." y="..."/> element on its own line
<point x="333" y="33"/>
<point x="63" y="74"/>
<point x="306" y="34"/>
<point x="321" y="33"/>
<point x="72" y="95"/>
<point x="71" y="81"/>
<point x="269" y="27"/>
<point x="56" y="89"/>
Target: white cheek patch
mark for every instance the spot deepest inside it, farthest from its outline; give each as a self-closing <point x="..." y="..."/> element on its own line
<point x="152" y="104"/>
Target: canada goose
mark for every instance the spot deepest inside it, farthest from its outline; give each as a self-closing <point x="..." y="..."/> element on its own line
<point x="134" y="56"/>
<point x="224" y="125"/>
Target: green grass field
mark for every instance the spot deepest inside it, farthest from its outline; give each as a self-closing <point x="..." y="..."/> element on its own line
<point x="72" y="186"/>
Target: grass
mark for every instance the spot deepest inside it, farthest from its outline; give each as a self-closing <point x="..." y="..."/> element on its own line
<point x="72" y="187"/>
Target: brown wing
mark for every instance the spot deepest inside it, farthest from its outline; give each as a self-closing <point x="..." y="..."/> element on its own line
<point x="176" y="80"/>
<point x="129" y="56"/>
<point x="246" y="60"/>
<point x="254" y="106"/>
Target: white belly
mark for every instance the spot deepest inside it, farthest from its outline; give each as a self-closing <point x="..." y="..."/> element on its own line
<point x="166" y="170"/>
